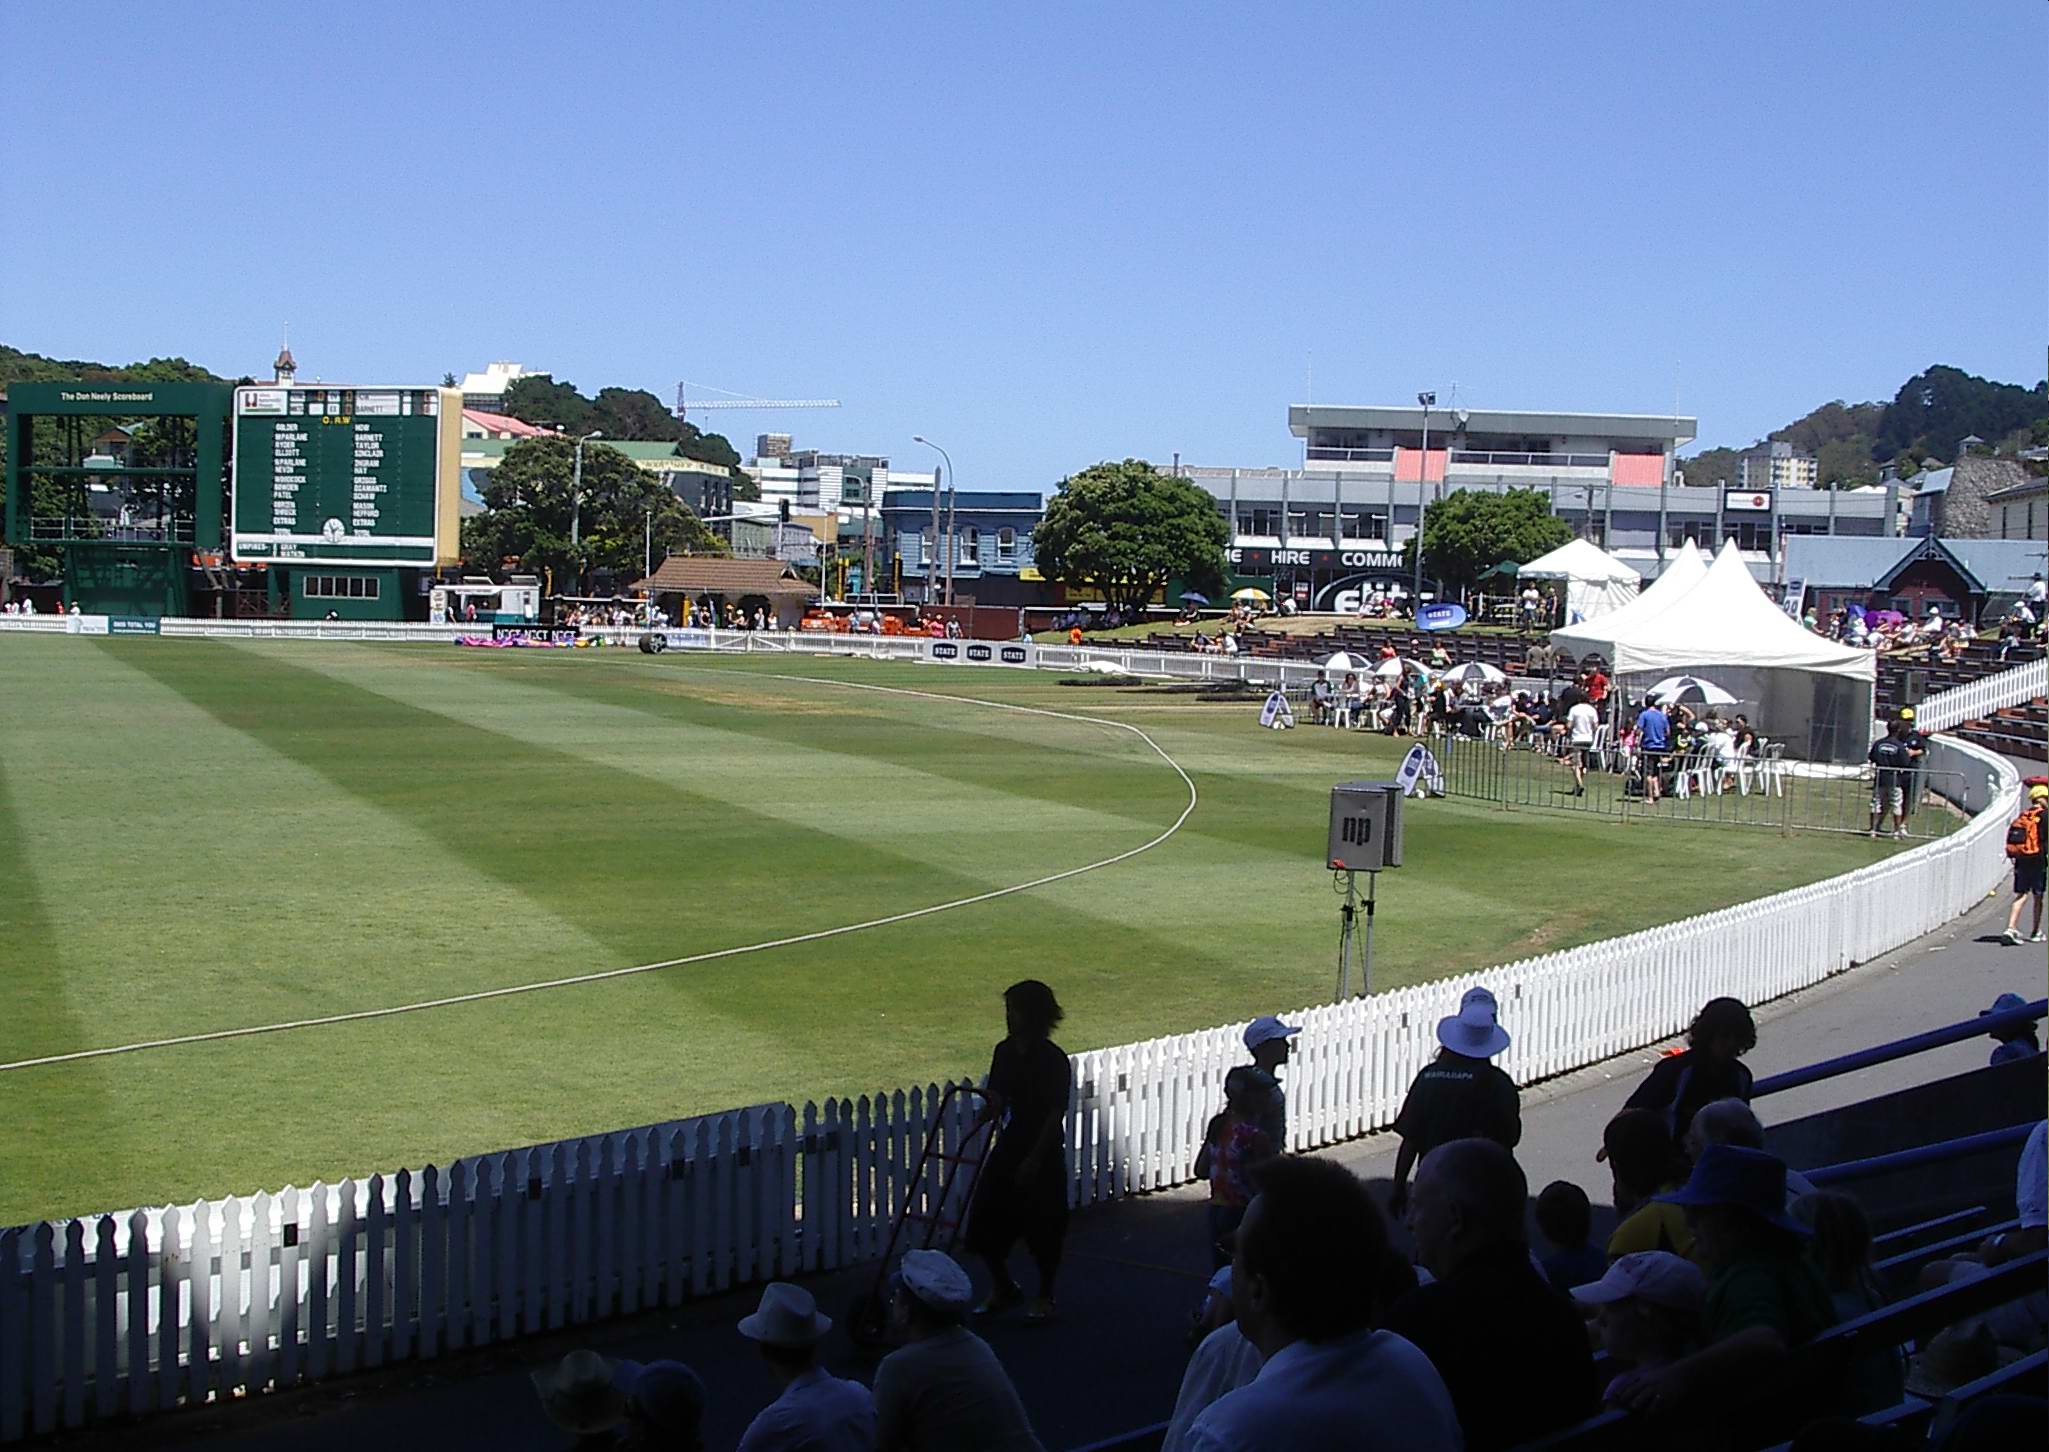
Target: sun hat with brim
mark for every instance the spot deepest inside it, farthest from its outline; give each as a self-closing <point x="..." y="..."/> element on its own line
<point x="788" y="1317"/>
<point x="1472" y="1031"/>
<point x="936" y="1278"/>
<point x="1654" y="1276"/>
<point x="1746" y="1179"/>
<point x="669" y="1396"/>
<point x="586" y="1393"/>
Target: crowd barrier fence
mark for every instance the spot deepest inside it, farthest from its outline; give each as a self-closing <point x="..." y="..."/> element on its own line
<point x="143" y="1311"/>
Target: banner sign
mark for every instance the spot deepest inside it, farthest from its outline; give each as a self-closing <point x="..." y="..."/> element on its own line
<point x="1420" y="775"/>
<point x="1442" y="616"/>
<point x="551" y="634"/>
<point x="1277" y="714"/>
<point x="131" y="625"/>
<point x="1796" y="591"/>
<point x="1750" y="499"/>
<point x="1347" y="594"/>
<point x="1261" y="559"/>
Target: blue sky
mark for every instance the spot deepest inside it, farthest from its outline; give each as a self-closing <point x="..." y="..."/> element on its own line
<point x="1046" y="234"/>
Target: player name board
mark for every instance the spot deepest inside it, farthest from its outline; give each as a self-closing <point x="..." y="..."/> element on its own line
<point x="346" y="476"/>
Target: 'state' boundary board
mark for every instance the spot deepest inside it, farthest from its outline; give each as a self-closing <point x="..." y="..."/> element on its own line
<point x="347" y="476"/>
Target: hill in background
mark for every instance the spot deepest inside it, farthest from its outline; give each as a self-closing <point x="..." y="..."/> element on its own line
<point x="1932" y="411"/>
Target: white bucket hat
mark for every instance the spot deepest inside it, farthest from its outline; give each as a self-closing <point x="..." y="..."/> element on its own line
<point x="788" y="1317"/>
<point x="1472" y="1031"/>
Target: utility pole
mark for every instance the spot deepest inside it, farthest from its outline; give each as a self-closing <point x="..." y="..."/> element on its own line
<point x="868" y="535"/>
<point x="1428" y="400"/>
<point x="576" y="502"/>
<point x="932" y="568"/>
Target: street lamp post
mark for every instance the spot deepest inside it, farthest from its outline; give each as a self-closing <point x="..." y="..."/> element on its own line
<point x="576" y="499"/>
<point x="932" y="567"/>
<point x="1428" y="400"/>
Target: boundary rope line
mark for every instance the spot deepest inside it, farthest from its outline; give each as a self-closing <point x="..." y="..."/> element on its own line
<point x="577" y="980"/>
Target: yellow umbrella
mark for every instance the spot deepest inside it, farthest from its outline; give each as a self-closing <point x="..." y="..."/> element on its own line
<point x="1248" y="593"/>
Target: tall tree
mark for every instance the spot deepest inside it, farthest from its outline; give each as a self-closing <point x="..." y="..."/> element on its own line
<point x="1127" y="529"/>
<point x="1470" y="532"/>
<point x="539" y="399"/>
<point x="1940" y="406"/>
<point x="634" y="413"/>
<point x="531" y="511"/>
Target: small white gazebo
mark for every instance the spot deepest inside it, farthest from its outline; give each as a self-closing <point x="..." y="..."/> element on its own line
<point x="1595" y="581"/>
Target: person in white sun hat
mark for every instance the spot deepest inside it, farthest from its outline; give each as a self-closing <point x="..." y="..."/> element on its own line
<point x="1459" y="1095"/>
<point x="1271" y="1044"/>
<point x="816" y="1411"/>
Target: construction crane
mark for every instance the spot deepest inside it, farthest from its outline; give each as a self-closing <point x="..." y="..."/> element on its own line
<point x="685" y="405"/>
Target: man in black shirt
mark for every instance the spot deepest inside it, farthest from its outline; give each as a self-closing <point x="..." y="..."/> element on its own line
<point x="1892" y="757"/>
<point x="1459" y="1094"/>
<point x="1513" y="1352"/>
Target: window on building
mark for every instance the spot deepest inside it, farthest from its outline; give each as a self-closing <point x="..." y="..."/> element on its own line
<point x="1006" y="543"/>
<point x="340" y="587"/>
<point x="1257" y="520"/>
<point x="1298" y="524"/>
<point x="1323" y="523"/>
<point x="971" y="546"/>
<point x="924" y="547"/>
<point x="1366" y="524"/>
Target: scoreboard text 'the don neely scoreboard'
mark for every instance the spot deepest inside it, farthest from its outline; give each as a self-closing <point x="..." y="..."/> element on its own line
<point x="347" y="476"/>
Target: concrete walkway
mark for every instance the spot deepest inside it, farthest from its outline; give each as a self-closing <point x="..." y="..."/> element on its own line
<point x="1113" y="1360"/>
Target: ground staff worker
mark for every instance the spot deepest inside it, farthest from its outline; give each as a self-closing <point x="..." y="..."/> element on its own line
<point x="1461" y="1095"/>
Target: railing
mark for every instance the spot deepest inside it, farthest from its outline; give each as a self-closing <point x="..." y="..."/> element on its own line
<point x="58" y="529"/>
<point x="1528" y="461"/>
<point x="1987" y="1025"/>
<point x="1749" y="791"/>
<point x="1983" y="696"/>
<point x="1940" y="1152"/>
<point x="151" y="1309"/>
<point x="1350" y="456"/>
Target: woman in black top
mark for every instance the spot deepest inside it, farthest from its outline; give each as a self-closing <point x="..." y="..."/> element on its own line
<point x="1710" y="1068"/>
<point x="1021" y="1192"/>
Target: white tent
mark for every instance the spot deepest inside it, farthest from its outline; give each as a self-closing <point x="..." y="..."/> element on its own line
<point x="1726" y="619"/>
<point x="1682" y="572"/>
<point x="1808" y="692"/>
<point x="1596" y="583"/>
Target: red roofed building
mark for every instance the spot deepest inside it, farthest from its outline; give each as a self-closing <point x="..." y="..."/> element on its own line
<point x="479" y="424"/>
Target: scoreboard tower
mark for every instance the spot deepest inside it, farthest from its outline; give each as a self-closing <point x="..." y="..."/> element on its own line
<point x="347" y="494"/>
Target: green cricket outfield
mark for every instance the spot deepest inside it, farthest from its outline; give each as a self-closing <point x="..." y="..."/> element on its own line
<point x="202" y="836"/>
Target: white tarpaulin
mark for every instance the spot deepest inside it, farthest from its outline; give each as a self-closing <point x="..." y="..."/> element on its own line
<point x="1597" y="637"/>
<point x="1596" y="583"/>
<point x="1725" y="619"/>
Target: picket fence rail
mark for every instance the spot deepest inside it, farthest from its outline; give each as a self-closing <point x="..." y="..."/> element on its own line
<point x="1980" y="698"/>
<point x="130" y="1314"/>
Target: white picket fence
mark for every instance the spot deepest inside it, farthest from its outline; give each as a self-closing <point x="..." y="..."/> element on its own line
<point x="145" y="1311"/>
<point x="1980" y="698"/>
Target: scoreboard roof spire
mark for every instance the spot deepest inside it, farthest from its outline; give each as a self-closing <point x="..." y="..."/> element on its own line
<point x="286" y="368"/>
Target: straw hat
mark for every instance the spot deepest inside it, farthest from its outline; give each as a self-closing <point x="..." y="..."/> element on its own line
<point x="788" y="1317"/>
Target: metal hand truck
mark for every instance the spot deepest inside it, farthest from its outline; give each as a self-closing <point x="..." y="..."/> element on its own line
<point x="939" y="1228"/>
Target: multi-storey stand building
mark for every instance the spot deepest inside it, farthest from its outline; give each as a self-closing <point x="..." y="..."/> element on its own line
<point x="1338" y="523"/>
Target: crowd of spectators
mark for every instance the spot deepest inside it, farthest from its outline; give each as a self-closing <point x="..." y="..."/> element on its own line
<point x="1318" y="1332"/>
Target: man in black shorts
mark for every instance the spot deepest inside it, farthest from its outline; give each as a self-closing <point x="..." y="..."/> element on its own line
<point x="1892" y="758"/>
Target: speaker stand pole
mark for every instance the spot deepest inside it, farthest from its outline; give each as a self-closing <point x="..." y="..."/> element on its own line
<point x="1366" y="963"/>
<point x="1347" y="911"/>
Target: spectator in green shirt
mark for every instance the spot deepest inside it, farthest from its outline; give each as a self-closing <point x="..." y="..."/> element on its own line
<point x="1764" y="1295"/>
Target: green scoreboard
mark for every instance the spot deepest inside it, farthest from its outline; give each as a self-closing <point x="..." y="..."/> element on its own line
<point x="347" y="476"/>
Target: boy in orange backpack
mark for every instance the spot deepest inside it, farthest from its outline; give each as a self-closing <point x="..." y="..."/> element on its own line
<point x="2026" y="840"/>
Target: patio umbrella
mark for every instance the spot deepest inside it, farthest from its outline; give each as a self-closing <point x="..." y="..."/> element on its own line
<point x="1691" y="689"/>
<point x="1343" y="662"/>
<point x="1249" y="593"/>
<point x="1473" y="670"/>
<point x="1191" y="597"/>
<point x="1397" y="666"/>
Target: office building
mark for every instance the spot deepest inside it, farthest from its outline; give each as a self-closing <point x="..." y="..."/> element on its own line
<point x="1777" y="466"/>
